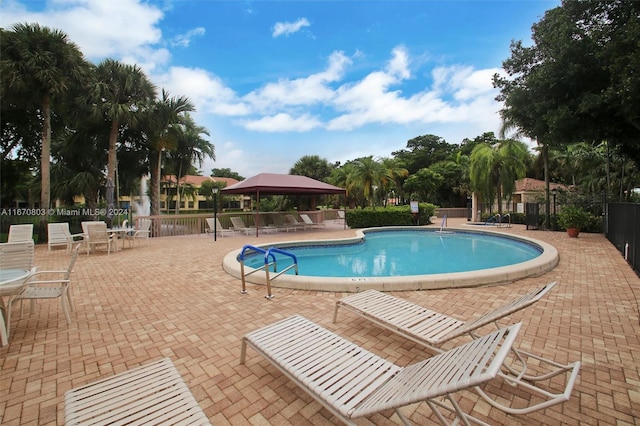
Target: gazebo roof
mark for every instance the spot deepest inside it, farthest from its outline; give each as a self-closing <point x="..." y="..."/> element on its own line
<point x="278" y="184"/>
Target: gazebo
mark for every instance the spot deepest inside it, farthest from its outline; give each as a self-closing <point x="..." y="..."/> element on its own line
<point x="279" y="184"/>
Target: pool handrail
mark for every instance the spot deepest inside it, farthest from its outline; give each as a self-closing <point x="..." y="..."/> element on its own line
<point x="270" y="252"/>
<point x="493" y="219"/>
<point x="444" y="223"/>
<point x="241" y="258"/>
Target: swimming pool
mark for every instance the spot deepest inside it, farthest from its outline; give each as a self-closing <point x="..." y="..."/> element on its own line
<point x="404" y="258"/>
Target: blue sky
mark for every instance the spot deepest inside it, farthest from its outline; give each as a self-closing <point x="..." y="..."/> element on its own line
<point x="274" y="81"/>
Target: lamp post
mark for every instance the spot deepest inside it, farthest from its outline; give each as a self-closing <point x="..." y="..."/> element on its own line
<point x="554" y="191"/>
<point x="214" y="190"/>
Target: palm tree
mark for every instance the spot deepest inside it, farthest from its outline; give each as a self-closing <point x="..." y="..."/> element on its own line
<point x="121" y="94"/>
<point x="392" y="176"/>
<point x="40" y="65"/>
<point x="163" y="122"/>
<point x="366" y="174"/>
<point x="494" y="169"/>
<point x="191" y="148"/>
<point x="341" y="176"/>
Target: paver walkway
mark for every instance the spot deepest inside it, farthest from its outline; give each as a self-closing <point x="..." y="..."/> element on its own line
<point x="171" y="298"/>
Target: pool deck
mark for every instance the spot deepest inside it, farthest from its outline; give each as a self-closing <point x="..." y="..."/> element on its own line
<point x="171" y="298"/>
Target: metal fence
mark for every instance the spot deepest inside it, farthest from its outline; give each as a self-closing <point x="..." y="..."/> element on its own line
<point x="623" y="231"/>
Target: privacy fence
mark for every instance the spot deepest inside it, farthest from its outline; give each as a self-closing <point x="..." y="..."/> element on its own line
<point x="623" y="230"/>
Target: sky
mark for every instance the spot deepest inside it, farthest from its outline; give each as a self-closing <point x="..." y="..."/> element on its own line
<point x="274" y="81"/>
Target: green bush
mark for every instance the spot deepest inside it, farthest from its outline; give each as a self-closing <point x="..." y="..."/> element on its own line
<point x="573" y="217"/>
<point x="389" y="216"/>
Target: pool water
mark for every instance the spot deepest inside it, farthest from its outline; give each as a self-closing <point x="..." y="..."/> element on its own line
<point x="405" y="253"/>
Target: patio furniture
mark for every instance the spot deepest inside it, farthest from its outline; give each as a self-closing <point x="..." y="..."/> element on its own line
<point x="340" y="218"/>
<point x="97" y="235"/>
<point x="16" y="267"/>
<point x="20" y="233"/>
<point x="352" y="382"/>
<point x="279" y="222"/>
<point x="58" y="234"/>
<point x="291" y="220"/>
<point x="151" y="394"/>
<point x="307" y="221"/>
<point x="238" y="225"/>
<point x="55" y="286"/>
<point x="431" y="329"/>
<point x="214" y="224"/>
<point x="142" y="233"/>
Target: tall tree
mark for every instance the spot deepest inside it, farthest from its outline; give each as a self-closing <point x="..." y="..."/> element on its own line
<point x="191" y="148"/>
<point x="366" y="174"/>
<point x="392" y="177"/>
<point x="312" y="166"/>
<point x="40" y="64"/>
<point x="163" y="122"/>
<point x="121" y="94"/>
<point x="495" y="168"/>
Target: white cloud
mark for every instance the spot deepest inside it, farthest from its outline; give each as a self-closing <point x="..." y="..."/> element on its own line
<point x="283" y="122"/>
<point x="100" y="28"/>
<point x="183" y="40"/>
<point x="207" y="91"/>
<point x="302" y="91"/>
<point x="286" y="28"/>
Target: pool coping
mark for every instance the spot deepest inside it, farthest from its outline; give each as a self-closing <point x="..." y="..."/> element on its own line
<point x="547" y="260"/>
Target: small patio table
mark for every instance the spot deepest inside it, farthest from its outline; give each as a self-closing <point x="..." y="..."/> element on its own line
<point x="12" y="283"/>
<point x="120" y="232"/>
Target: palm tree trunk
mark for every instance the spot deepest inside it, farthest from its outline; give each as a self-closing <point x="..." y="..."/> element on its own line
<point x="155" y="184"/>
<point x="111" y="156"/>
<point x="45" y="156"/>
<point x="547" y="203"/>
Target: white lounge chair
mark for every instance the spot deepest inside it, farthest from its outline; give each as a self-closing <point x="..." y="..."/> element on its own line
<point x="352" y="382"/>
<point x="217" y="226"/>
<point x="431" y="329"/>
<point x="20" y="233"/>
<point x="238" y="225"/>
<point x="307" y="221"/>
<point x="52" y="285"/>
<point x="340" y="218"/>
<point x="151" y="394"/>
<point x="58" y="234"/>
<point x="291" y="220"/>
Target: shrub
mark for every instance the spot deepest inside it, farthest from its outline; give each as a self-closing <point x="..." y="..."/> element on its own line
<point x="573" y="217"/>
<point x="389" y="216"/>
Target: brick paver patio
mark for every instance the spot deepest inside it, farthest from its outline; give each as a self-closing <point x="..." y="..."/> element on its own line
<point x="171" y="298"/>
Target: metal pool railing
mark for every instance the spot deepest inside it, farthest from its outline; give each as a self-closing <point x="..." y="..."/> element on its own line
<point x="270" y="253"/>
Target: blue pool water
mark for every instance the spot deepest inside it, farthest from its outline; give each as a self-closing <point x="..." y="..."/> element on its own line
<point x="402" y="253"/>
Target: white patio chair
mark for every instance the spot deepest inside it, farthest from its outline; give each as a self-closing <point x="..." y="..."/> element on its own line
<point x="214" y="224"/>
<point x="352" y="382"/>
<point x="291" y="220"/>
<point x="20" y="233"/>
<point x="432" y="329"/>
<point x="142" y="233"/>
<point x="238" y="225"/>
<point x="97" y="235"/>
<point x="54" y="284"/>
<point x="307" y="221"/>
<point x="58" y="234"/>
